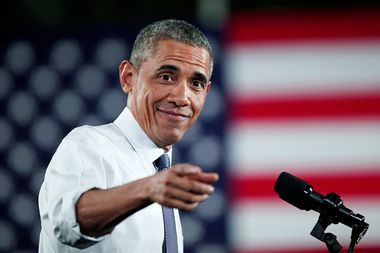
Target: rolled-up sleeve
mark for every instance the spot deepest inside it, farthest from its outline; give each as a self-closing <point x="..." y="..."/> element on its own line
<point x="74" y="169"/>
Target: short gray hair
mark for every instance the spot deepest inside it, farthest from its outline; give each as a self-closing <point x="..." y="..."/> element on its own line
<point x="170" y="29"/>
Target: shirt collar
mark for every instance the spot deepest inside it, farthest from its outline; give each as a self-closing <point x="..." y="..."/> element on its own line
<point x="145" y="147"/>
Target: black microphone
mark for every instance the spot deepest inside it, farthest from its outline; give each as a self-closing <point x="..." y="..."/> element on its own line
<point x="302" y="195"/>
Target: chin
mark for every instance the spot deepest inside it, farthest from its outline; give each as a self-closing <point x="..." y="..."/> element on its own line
<point x="172" y="138"/>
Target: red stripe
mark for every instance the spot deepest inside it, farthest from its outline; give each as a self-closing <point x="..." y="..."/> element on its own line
<point x="345" y="185"/>
<point x="358" y="249"/>
<point x="346" y="106"/>
<point x="303" y="25"/>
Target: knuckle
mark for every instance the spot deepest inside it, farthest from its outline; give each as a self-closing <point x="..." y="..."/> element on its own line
<point x="193" y="184"/>
<point x="168" y="178"/>
<point x="194" y="198"/>
<point x="164" y="192"/>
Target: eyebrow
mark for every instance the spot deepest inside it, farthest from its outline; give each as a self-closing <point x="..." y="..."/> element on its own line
<point x="201" y="77"/>
<point x="170" y="67"/>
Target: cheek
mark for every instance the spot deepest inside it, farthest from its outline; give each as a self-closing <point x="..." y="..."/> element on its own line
<point x="143" y="96"/>
<point x="198" y="103"/>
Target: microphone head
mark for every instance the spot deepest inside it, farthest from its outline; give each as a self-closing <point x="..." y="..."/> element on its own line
<point x="293" y="190"/>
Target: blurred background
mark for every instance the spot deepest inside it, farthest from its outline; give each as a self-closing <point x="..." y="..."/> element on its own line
<point x="296" y="88"/>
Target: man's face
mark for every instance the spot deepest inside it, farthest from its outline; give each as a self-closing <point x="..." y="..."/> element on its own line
<point x="167" y="93"/>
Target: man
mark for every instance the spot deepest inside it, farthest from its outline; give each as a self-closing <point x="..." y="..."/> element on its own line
<point x="102" y="190"/>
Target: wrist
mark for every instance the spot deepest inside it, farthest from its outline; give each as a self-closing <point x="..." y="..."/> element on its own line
<point x="143" y="191"/>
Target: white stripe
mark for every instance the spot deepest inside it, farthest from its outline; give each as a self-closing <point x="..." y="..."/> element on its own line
<point x="302" y="68"/>
<point x="278" y="225"/>
<point x="263" y="146"/>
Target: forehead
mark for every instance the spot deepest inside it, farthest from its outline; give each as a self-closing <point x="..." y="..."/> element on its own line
<point x="170" y="51"/>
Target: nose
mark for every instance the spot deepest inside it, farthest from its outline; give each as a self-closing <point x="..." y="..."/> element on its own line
<point x="179" y="95"/>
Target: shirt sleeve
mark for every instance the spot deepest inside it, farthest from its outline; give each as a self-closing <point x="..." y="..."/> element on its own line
<point x="74" y="169"/>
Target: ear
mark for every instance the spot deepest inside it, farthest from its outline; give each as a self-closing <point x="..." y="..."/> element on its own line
<point x="127" y="74"/>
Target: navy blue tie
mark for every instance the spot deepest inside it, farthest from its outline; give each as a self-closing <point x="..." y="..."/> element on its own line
<point x="170" y="235"/>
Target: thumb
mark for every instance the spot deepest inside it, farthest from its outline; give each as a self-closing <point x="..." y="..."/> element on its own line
<point x="185" y="169"/>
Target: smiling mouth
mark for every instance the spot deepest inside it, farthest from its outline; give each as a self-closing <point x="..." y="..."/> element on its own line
<point x="172" y="115"/>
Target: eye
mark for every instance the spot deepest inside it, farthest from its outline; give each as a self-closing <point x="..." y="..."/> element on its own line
<point x="166" y="77"/>
<point x="198" y="85"/>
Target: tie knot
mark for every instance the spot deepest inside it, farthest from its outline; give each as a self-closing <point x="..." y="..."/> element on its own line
<point x="162" y="162"/>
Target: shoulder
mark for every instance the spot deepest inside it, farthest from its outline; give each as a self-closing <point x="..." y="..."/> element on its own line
<point x="103" y="139"/>
<point x="93" y="134"/>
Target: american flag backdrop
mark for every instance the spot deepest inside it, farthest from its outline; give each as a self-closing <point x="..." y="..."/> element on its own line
<point x="303" y="88"/>
<point x="295" y="91"/>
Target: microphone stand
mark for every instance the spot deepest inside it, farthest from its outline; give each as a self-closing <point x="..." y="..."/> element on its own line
<point x="327" y="216"/>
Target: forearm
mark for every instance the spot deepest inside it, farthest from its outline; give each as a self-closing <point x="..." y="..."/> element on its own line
<point x="98" y="211"/>
<point x="183" y="186"/>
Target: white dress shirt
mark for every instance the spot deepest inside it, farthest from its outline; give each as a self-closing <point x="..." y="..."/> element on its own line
<point x="101" y="157"/>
